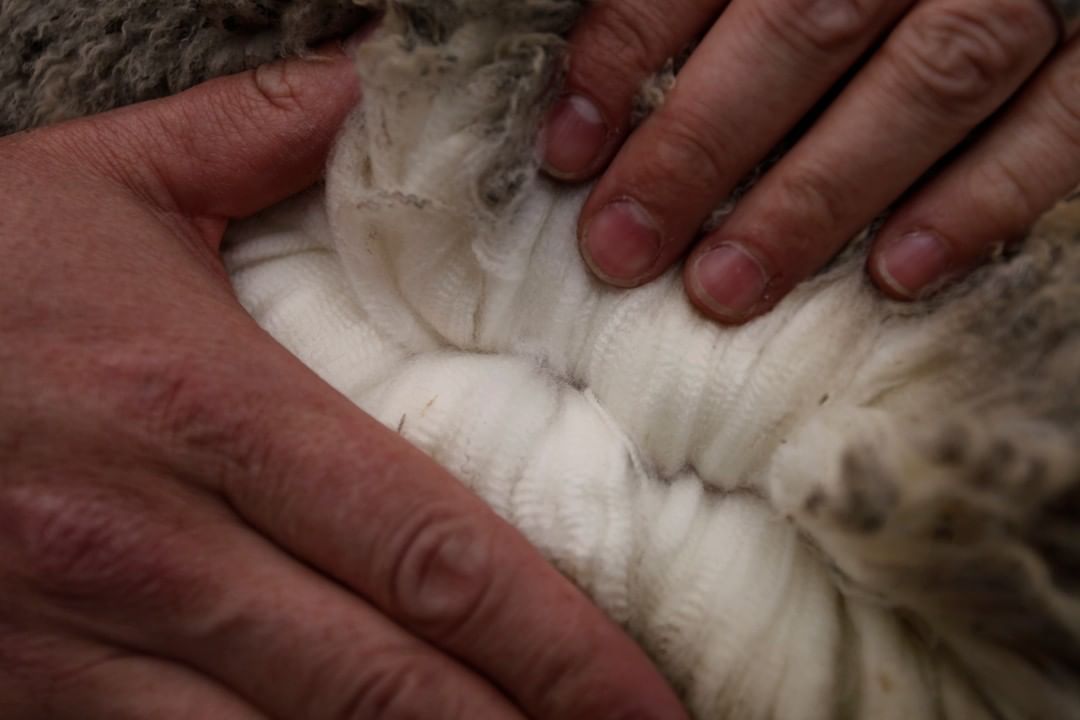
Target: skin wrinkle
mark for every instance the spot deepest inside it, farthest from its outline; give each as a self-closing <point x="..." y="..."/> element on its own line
<point x="120" y="282"/>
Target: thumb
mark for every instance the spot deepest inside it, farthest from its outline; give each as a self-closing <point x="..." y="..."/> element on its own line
<point x="232" y="146"/>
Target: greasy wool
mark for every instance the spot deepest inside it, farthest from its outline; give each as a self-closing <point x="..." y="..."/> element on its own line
<point x="850" y="508"/>
<point x="64" y="59"/>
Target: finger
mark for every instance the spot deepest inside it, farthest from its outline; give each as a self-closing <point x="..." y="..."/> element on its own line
<point x="763" y="66"/>
<point x="351" y="497"/>
<point x="227" y="148"/>
<point x="1026" y="161"/>
<point x="67" y="677"/>
<point x="172" y="575"/>
<point x="947" y="67"/>
<point x="616" y="46"/>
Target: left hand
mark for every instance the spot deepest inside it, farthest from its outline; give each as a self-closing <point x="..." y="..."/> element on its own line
<point x="921" y="76"/>
<point x="192" y="523"/>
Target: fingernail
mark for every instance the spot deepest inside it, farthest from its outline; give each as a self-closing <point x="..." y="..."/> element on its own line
<point x="573" y="136"/>
<point x="621" y="243"/>
<point x="729" y="281"/>
<point x="913" y="263"/>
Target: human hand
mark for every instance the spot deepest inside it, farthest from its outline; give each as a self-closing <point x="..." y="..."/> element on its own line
<point x="192" y="524"/>
<point x="923" y="75"/>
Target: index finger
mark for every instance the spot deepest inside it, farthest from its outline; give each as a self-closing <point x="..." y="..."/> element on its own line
<point x="346" y="495"/>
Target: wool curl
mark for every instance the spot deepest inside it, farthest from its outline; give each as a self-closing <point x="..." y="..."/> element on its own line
<point x="68" y="59"/>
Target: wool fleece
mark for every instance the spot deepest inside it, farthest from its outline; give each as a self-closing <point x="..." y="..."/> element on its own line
<point x="66" y="58"/>
<point x="849" y="508"/>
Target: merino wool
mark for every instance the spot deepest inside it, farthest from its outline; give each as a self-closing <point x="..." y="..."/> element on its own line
<point x="849" y="508"/>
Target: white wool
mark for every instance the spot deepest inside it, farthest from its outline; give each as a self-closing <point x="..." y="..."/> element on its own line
<point x="838" y="510"/>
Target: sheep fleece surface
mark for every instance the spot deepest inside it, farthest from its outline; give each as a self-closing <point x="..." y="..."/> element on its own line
<point x="850" y="508"/>
<point x="66" y="58"/>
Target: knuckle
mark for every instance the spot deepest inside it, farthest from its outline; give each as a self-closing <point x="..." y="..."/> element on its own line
<point x="175" y="400"/>
<point x="684" y="159"/>
<point x="32" y="662"/>
<point x="228" y="111"/>
<point x="1063" y="90"/>
<point x="956" y="58"/>
<point x="85" y="544"/>
<point x="618" y="48"/>
<point x="821" y="26"/>
<point x="814" y="200"/>
<point x="1008" y="201"/>
<point x="442" y="571"/>
<point x="631" y="27"/>
<point x="401" y="686"/>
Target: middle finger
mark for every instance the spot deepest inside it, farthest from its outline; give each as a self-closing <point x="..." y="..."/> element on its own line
<point x="759" y="70"/>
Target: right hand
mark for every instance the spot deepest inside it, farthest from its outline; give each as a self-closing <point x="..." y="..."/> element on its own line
<point x="192" y="524"/>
